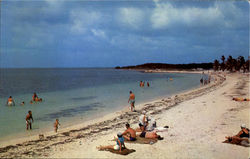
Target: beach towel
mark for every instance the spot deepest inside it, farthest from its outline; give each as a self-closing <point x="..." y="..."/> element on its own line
<point x="124" y="151"/>
<point x="236" y="142"/>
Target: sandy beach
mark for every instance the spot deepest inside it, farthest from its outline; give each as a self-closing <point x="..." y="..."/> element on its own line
<point x="198" y="119"/>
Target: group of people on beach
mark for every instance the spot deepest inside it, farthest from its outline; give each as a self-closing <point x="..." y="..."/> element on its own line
<point x="142" y="83"/>
<point x="204" y="81"/>
<point x="145" y="130"/>
<point x="35" y="98"/>
<point x="29" y="120"/>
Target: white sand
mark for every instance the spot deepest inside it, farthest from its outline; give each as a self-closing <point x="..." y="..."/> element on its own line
<point x="197" y="129"/>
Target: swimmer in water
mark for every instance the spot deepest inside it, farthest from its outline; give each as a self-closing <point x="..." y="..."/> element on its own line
<point x="10" y="101"/>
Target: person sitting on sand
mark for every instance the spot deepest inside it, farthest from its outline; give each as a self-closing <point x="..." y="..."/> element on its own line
<point x="151" y="124"/>
<point x="22" y="104"/>
<point x="28" y="120"/>
<point x="150" y="135"/>
<point x="56" y="124"/>
<point x="119" y="144"/>
<point x="242" y="137"/>
<point x="143" y="121"/>
<point x="10" y="101"/>
<point x="129" y="134"/>
<point x="131" y="100"/>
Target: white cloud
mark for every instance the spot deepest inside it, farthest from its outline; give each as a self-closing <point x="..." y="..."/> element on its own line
<point x="83" y="20"/>
<point x="98" y="33"/>
<point x="132" y="17"/>
<point x="165" y="15"/>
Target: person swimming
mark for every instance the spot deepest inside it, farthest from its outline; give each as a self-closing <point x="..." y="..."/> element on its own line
<point x="10" y="101"/>
<point x="36" y="99"/>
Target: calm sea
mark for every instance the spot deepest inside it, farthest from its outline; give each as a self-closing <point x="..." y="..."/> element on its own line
<point x="77" y="94"/>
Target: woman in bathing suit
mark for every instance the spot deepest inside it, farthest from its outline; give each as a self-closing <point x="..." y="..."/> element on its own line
<point x="119" y="144"/>
<point x="10" y="101"/>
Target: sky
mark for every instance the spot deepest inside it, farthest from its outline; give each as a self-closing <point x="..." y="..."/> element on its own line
<point x="109" y="33"/>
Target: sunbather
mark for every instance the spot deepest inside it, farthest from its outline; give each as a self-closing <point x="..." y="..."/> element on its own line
<point x="242" y="137"/>
<point x="118" y="146"/>
<point x="129" y="134"/>
<point x="241" y="99"/>
<point x="150" y="135"/>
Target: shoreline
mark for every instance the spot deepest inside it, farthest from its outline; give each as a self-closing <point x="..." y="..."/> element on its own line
<point x="106" y="123"/>
<point x="33" y="135"/>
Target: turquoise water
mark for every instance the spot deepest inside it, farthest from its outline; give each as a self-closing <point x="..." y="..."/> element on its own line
<point x="77" y="94"/>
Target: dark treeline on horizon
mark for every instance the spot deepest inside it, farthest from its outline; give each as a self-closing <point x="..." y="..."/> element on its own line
<point x="231" y="64"/>
<point x="204" y="66"/>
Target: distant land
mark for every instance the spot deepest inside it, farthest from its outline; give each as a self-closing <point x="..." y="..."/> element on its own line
<point x="190" y="66"/>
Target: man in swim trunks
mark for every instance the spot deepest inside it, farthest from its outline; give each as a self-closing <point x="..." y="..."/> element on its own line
<point x="129" y="134"/>
<point x="150" y="135"/>
<point x="131" y="100"/>
<point x="28" y="120"/>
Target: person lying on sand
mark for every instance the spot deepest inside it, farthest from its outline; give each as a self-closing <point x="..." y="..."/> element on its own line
<point x="150" y="135"/>
<point x="242" y="137"/>
<point x="56" y="124"/>
<point x="241" y="99"/>
<point x="119" y="144"/>
<point x="129" y="134"/>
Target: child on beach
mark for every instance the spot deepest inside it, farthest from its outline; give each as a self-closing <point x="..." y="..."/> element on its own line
<point x="56" y="124"/>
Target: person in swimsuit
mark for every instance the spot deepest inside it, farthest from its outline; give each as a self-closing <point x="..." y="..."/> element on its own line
<point x="119" y="144"/>
<point x="36" y="99"/>
<point x="241" y="137"/>
<point x="131" y="100"/>
<point x="10" y="101"/>
<point x="28" y="120"/>
<point x="148" y="84"/>
<point x="129" y="134"/>
<point x="150" y="135"/>
<point x="56" y="124"/>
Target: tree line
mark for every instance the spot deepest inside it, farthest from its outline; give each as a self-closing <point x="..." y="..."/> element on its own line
<point x="231" y="64"/>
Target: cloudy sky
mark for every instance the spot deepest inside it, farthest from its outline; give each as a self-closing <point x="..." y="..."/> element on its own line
<point x="77" y="33"/>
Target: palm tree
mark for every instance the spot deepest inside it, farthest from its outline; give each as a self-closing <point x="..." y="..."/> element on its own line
<point x="229" y="63"/>
<point x="246" y="66"/>
<point x="216" y="65"/>
<point x="240" y="63"/>
<point x="222" y="66"/>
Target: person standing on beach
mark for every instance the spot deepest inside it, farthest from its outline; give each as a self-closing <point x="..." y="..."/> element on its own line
<point x="28" y="120"/>
<point x="148" y="84"/>
<point x="56" y="124"/>
<point x="131" y="100"/>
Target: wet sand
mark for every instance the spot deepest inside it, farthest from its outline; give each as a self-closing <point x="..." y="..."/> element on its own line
<point x="197" y="132"/>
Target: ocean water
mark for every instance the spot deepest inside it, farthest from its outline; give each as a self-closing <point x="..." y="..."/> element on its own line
<point x="77" y="94"/>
